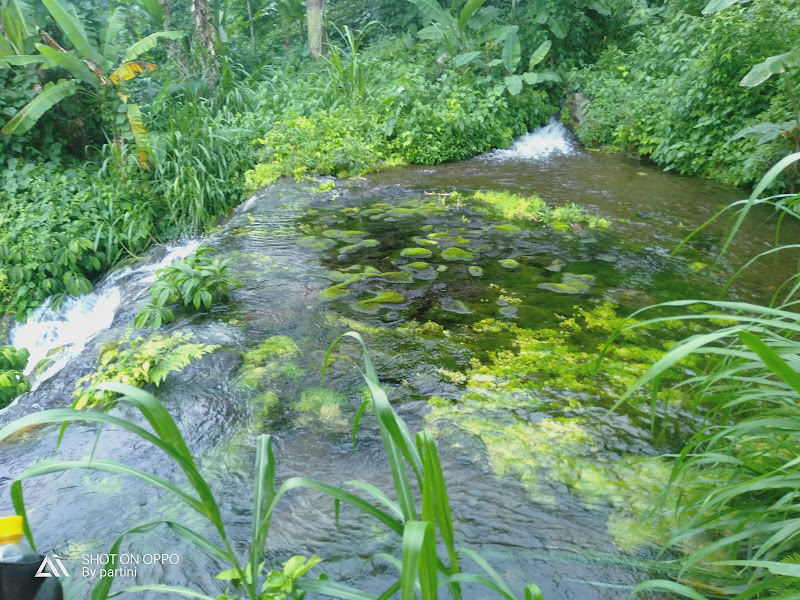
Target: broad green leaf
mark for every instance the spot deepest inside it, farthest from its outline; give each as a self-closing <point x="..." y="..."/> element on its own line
<point x="419" y="561"/>
<point x="432" y="32"/>
<point x="466" y="13"/>
<point x="539" y="54"/>
<point x="432" y="11"/>
<point x="530" y="78"/>
<point x="52" y="94"/>
<point x="23" y="59"/>
<point x="143" y="45"/>
<point x="772" y="360"/>
<point x="669" y="586"/>
<point x="17" y="18"/>
<point x="514" y="84"/>
<point x="464" y="59"/>
<point x="77" y="67"/>
<point x="774" y="65"/>
<point x="511" y="52"/>
<point x="717" y="5"/>
<point x="111" y="35"/>
<point x="557" y="27"/>
<point x="73" y="28"/>
<point x="599" y="7"/>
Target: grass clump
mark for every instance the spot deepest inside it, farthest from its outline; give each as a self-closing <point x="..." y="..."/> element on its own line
<point x="12" y="381"/>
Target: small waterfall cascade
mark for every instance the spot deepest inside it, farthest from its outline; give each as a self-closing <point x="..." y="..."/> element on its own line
<point x="543" y="142"/>
<point x="78" y="319"/>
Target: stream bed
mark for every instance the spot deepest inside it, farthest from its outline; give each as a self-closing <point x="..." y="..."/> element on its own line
<point x="484" y="329"/>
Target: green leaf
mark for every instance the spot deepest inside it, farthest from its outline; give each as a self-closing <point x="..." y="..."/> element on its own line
<point x="464" y="59"/>
<point x="530" y="78"/>
<point x="557" y="27"/>
<point x="263" y="500"/>
<point x="669" y="586"/>
<point x="539" y="54"/>
<point x="717" y="5"/>
<point x="164" y="589"/>
<point x="511" y="52"/>
<point x="29" y="114"/>
<point x="774" y="65"/>
<point x="419" y="561"/>
<point x="331" y="589"/>
<point x="73" y="28"/>
<point x="23" y="59"/>
<point x="432" y="11"/>
<point x="466" y="13"/>
<point x="772" y="360"/>
<point x="514" y="84"/>
<point x="77" y="67"/>
<point x="17" y="17"/>
<point x="111" y="36"/>
<point x="143" y="45"/>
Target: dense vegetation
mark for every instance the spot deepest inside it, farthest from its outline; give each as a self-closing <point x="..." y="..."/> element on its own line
<point x="130" y="123"/>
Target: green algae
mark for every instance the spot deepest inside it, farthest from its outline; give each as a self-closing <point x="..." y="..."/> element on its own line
<point x="475" y="271"/>
<point x="317" y="244"/>
<point x="571" y="283"/>
<point x="423" y="242"/>
<point x="416" y="265"/>
<point x="395" y="277"/>
<point x="457" y="254"/>
<point x="462" y="241"/>
<point x="419" y="252"/>
<point x="380" y="299"/>
<point x="455" y="306"/>
<point x="438" y="235"/>
<point x="265" y="403"/>
<point x="273" y="358"/>
<point x="509" y="263"/>
<point x="313" y="399"/>
<point x="339" y="234"/>
<point x="333" y="292"/>
<point x="357" y="246"/>
<point x="507" y="228"/>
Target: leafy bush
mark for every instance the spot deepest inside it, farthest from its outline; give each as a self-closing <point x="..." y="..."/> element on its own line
<point x="196" y="280"/>
<point x="60" y="230"/>
<point x="12" y="381"/>
<point x="139" y="361"/>
<point x="676" y="96"/>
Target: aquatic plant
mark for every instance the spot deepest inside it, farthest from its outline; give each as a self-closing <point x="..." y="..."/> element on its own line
<point x="414" y="518"/>
<point x="196" y="280"/>
<point x="137" y="361"/>
<point x="12" y="381"/>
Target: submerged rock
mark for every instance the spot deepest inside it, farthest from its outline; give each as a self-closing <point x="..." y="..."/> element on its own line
<point x="571" y="283"/>
<point x="475" y="271"/>
<point x="417" y="252"/>
<point x="509" y="263"/>
<point x="457" y="254"/>
<point x="381" y="298"/>
<point x="455" y="306"/>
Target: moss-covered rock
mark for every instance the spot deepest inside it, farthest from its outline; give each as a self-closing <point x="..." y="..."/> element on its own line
<point x="457" y="254"/>
<point x="571" y="283"/>
<point x="416" y="252"/>
<point x="509" y="263"/>
<point x="475" y="271"/>
<point x="379" y="300"/>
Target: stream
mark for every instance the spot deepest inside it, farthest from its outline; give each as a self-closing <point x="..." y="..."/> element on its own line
<point x="482" y="329"/>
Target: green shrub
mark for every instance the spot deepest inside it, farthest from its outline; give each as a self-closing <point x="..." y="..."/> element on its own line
<point x="676" y="98"/>
<point x="62" y="229"/>
<point x="196" y="280"/>
<point x="12" y="381"/>
<point x="139" y="361"/>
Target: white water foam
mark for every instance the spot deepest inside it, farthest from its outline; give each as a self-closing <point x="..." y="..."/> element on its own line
<point x="545" y="141"/>
<point x="78" y="319"/>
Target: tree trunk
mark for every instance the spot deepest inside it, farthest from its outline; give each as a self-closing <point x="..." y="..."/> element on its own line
<point x="252" y="29"/>
<point x="315" y="14"/>
<point x="206" y="35"/>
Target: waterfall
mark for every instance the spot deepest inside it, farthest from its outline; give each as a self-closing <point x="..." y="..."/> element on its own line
<point x="543" y="142"/>
<point x="78" y="319"/>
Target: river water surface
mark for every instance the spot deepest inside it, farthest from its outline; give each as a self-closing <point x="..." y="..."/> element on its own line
<point x="545" y="483"/>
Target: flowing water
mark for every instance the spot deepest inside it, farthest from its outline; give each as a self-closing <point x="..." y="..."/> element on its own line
<point x="545" y="483"/>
